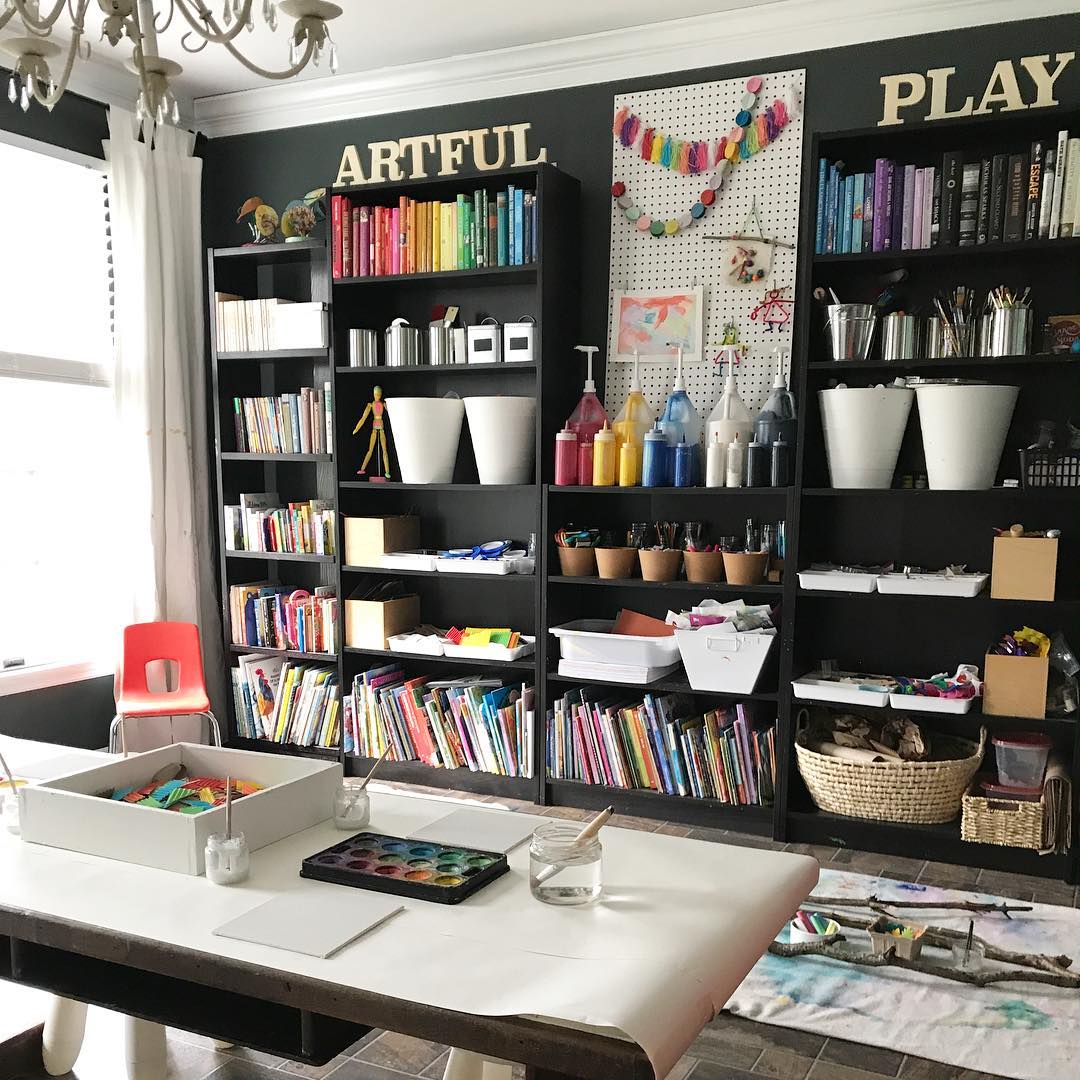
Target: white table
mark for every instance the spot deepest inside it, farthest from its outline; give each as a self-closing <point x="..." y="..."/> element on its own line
<point x="619" y="989"/>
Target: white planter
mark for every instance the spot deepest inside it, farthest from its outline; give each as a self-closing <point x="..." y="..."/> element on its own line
<point x="963" y="431"/>
<point x="863" y="431"/>
<point x="503" y="431"/>
<point x="426" y="432"/>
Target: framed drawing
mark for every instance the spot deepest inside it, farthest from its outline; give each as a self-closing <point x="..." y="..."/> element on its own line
<point x="656" y="322"/>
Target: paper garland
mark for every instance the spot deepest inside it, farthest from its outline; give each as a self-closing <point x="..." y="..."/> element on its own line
<point x="692" y="157"/>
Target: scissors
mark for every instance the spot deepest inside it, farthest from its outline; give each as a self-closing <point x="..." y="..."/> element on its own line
<point x="493" y="549"/>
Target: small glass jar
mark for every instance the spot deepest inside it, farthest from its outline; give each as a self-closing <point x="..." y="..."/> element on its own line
<point x="228" y="861"/>
<point x="352" y="808"/>
<point x="562" y="872"/>
<point x="11" y="813"/>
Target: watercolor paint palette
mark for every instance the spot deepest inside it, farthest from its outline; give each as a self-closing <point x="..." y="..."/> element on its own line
<point x="421" y="869"/>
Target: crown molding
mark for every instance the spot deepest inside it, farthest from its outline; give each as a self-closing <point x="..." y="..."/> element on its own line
<point x="793" y="26"/>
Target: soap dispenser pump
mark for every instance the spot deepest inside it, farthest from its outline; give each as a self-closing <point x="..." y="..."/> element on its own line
<point x="635" y="418"/>
<point x="588" y="416"/>
<point x="681" y="421"/>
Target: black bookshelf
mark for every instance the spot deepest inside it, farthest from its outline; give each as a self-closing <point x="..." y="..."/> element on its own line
<point x="914" y="526"/>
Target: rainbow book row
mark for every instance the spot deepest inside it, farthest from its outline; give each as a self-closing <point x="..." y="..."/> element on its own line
<point x="470" y="722"/>
<point x="286" y="702"/>
<point x="663" y="745"/>
<point x="284" y="617"/>
<point x="470" y="232"/>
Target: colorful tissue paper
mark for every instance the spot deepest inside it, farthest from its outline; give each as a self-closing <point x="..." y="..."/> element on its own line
<point x="191" y="795"/>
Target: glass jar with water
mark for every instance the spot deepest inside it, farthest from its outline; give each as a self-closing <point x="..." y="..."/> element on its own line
<point x="563" y="869"/>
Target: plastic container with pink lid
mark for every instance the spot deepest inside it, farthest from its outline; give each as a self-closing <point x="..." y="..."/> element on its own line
<point x="1021" y="758"/>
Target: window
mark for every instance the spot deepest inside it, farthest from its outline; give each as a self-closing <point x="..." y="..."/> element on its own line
<point x="61" y="561"/>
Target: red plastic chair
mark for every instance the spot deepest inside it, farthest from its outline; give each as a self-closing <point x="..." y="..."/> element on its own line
<point x="145" y="643"/>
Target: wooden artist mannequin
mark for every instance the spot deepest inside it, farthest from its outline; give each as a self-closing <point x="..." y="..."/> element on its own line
<point x="377" y="410"/>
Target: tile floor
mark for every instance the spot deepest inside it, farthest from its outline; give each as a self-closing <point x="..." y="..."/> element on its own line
<point x="728" y="1049"/>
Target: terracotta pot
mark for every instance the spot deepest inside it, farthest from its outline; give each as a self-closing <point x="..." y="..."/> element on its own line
<point x="577" y="562"/>
<point x="704" y="565"/>
<point x="621" y="562"/>
<point x="745" y="568"/>
<point x="660" y="565"/>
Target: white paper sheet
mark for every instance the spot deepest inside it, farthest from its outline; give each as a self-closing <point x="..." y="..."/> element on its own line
<point x="481" y="829"/>
<point x="315" y="922"/>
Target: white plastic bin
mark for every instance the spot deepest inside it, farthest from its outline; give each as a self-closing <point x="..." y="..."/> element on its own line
<point x="864" y="428"/>
<point x="720" y="660"/>
<point x="592" y="639"/>
<point x="503" y="431"/>
<point x="425" y="434"/>
<point x="836" y="581"/>
<point x="932" y="584"/>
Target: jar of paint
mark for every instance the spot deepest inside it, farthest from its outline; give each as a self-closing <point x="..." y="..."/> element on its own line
<point x="562" y="871"/>
<point x="629" y="465"/>
<point x="585" y="463"/>
<point x="11" y="813"/>
<point x="228" y="859"/>
<point x="352" y="808"/>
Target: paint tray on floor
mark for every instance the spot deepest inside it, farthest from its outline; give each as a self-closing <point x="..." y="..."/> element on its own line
<point x="420" y="869"/>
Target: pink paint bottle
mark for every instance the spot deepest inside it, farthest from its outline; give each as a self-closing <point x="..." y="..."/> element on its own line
<point x="566" y="458"/>
<point x="585" y="463"/>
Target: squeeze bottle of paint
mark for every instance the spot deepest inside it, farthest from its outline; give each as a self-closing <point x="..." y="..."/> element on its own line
<point x="604" y="458"/>
<point x="654" y="459"/>
<point x="629" y="465"/>
<point x="730" y="415"/>
<point x="635" y="418"/>
<point x="781" y="463"/>
<point x="714" y="462"/>
<point x="588" y="416"/>
<point x="680" y="422"/>
<point x="585" y="463"/>
<point x="566" y="454"/>
<point x="778" y="416"/>
<point x="758" y="464"/>
<point x="735" y="462"/>
<point x="684" y="471"/>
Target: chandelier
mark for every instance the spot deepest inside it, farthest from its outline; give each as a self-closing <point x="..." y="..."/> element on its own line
<point x="36" y="73"/>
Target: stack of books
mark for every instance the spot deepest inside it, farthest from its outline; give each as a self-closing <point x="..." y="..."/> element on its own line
<point x="473" y="231"/>
<point x="661" y="743"/>
<point x="262" y="523"/>
<point x="470" y="722"/>
<point x="286" y="702"/>
<point x="300" y="423"/>
<point x="284" y="617"/>
<point x="1010" y="197"/>
<point x="268" y="324"/>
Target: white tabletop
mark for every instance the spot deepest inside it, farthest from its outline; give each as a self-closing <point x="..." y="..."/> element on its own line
<point x="679" y="926"/>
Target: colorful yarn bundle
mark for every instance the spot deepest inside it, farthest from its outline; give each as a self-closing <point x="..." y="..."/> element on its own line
<point x="191" y="795"/>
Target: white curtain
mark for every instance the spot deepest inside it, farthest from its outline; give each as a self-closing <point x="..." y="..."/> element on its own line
<point x="164" y="514"/>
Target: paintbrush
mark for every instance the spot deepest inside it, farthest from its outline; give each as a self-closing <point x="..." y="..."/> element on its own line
<point x="967" y="944"/>
<point x="228" y="808"/>
<point x="586" y="834"/>
<point x="358" y="789"/>
<point x="10" y="777"/>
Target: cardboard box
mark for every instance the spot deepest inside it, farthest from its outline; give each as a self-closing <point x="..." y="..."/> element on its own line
<point x="366" y="539"/>
<point x="368" y="623"/>
<point x="69" y="811"/>
<point x="1015" y="685"/>
<point x="1024" y="568"/>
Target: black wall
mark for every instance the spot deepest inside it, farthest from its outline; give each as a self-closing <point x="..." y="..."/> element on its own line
<point x="75" y="714"/>
<point x="843" y="92"/>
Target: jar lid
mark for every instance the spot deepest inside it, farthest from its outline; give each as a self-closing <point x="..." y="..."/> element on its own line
<point x="1024" y="740"/>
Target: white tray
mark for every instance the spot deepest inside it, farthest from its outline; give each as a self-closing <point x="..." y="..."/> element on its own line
<point x="473" y="566"/>
<point x="407" y="643"/>
<point x="409" y="560"/>
<point x="810" y="688"/>
<point x="837" y="581"/>
<point x="590" y="671"/>
<point x="932" y="584"/>
<point x="491" y="652"/>
<point x="592" y="639"/>
<point x="917" y="703"/>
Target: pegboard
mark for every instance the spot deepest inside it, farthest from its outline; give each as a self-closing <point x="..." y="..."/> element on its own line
<point x="642" y="262"/>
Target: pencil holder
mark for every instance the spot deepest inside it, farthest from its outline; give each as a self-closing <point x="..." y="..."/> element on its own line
<point x="577" y="562"/>
<point x="704" y="565"/>
<point x="11" y="813"/>
<point x="745" y="567"/>
<point x="352" y="808"/>
<point x="228" y="860"/>
<point x="619" y="562"/>
<point x="660" y="564"/>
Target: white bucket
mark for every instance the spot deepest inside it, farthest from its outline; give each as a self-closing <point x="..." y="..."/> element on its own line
<point x="503" y="431"/>
<point x="863" y="431"/>
<point x="426" y="432"/>
<point x="963" y="431"/>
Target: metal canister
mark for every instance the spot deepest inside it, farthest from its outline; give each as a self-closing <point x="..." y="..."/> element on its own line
<point x="440" y="345"/>
<point x="899" y="337"/>
<point x="363" y="348"/>
<point x="402" y="344"/>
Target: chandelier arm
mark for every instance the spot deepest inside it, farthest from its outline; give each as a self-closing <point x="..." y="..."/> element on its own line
<point x="168" y="21"/>
<point x="5" y="17"/>
<point x="296" y="68"/>
<point x="202" y="43"/>
<point x="39" y="22"/>
<point x="215" y="35"/>
<point x="60" y="85"/>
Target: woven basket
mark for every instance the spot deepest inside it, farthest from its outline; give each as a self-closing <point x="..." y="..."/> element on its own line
<point x="920" y="792"/>
<point x="999" y="821"/>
